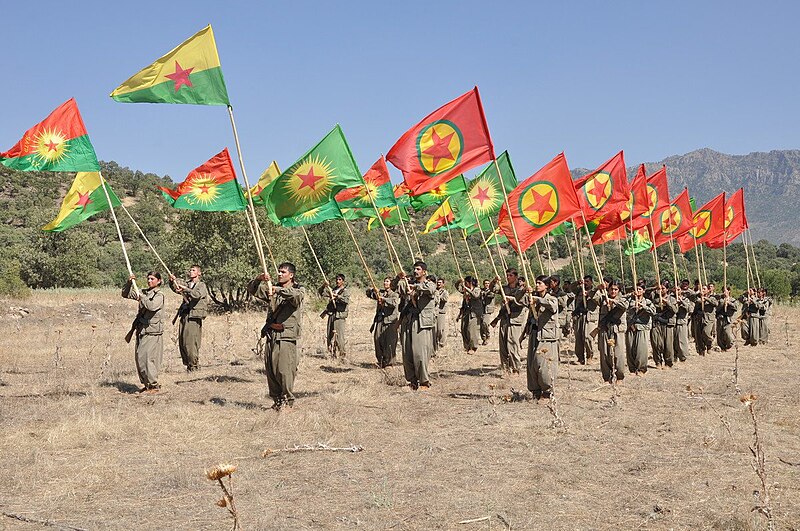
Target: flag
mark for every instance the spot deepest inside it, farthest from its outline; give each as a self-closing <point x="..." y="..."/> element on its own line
<point x="401" y="192"/>
<point x="324" y="212"/>
<point x="638" y="204"/>
<point x="675" y="220"/>
<point x="211" y="187"/>
<point x="190" y="73"/>
<point x="391" y="216"/>
<point x="657" y="200"/>
<point x="639" y="241"/>
<point x="707" y="224"/>
<point x="437" y="195"/>
<point x="450" y="140"/>
<point x="485" y="191"/>
<point x="605" y="190"/>
<point x="376" y="184"/>
<point x="57" y="143"/>
<point x="84" y="199"/>
<point x="461" y="216"/>
<point x="540" y="202"/>
<point x="495" y="238"/>
<point x="263" y="184"/>
<point x="735" y="221"/>
<point x="441" y="219"/>
<point x="315" y="178"/>
<point x="486" y="226"/>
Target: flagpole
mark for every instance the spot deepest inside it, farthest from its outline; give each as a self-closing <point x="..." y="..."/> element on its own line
<point x="413" y="231"/>
<point x="725" y="260"/>
<point x="497" y="244"/>
<point x="753" y="250"/>
<point x="703" y="261"/>
<point x="654" y="253"/>
<point x="383" y="227"/>
<point x="483" y="238"/>
<point x="269" y="249"/>
<point x="580" y="265"/>
<point x="453" y="247"/>
<point x="571" y="259"/>
<point x="314" y="254"/>
<point x="363" y="261"/>
<point x="469" y="253"/>
<point x="549" y="255"/>
<point x="591" y="247"/>
<point x="259" y="250"/>
<point x="674" y="262"/>
<point x="750" y="273"/>
<point x="146" y="240"/>
<point x="539" y="257"/>
<point x="388" y="250"/>
<point x="621" y="266"/>
<point x="405" y="233"/>
<point x="119" y="233"/>
<point x="511" y="220"/>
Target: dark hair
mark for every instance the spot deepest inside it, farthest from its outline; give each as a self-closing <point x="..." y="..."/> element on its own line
<point x="555" y="278"/>
<point x="613" y="283"/>
<point x="420" y="263"/>
<point x="588" y="277"/>
<point x="542" y="278"/>
<point x="340" y="275"/>
<point x="197" y="266"/>
<point x="512" y="271"/>
<point x="155" y="274"/>
<point x="432" y="278"/>
<point x="469" y="279"/>
<point x="288" y="266"/>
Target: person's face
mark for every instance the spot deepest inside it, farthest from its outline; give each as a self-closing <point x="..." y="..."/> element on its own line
<point x="194" y="272"/>
<point x="511" y="278"/>
<point x="711" y="288"/>
<point x="387" y="283"/>
<point x="440" y="284"/>
<point x="285" y="276"/>
<point x="639" y="292"/>
<point x="152" y="281"/>
<point x="486" y="284"/>
<point x="588" y="282"/>
<point x="419" y="273"/>
<point x="339" y="282"/>
<point x="613" y="291"/>
<point x="704" y="290"/>
<point x="541" y="287"/>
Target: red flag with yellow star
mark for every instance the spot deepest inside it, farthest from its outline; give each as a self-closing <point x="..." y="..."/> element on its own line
<point x="450" y="140"/>
<point x="657" y="192"/>
<point x="636" y="205"/>
<point x="542" y="201"/>
<point x="673" y="221"/>
<point x="707" y="223"/>
<point x="735" y="221"/>
<point x="211" y="187"/>
<point x="604" y="190"/>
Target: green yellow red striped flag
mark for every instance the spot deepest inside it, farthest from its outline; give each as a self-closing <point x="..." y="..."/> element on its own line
<point x="190" y="73"/>
<point x="84" y="199"/>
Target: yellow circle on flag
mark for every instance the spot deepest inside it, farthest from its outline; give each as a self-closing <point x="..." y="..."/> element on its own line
<point x="729" y="215"/>
<point x="652" y="195"/>
<point x="597" y="190"/>
<point x="702" y="223"/>
<point x="671" y="219"/>
<point x="539" y="204"/>
<point x="439" y="147"/>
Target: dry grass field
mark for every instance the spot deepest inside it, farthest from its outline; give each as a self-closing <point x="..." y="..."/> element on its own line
<point x="670" y="451"/>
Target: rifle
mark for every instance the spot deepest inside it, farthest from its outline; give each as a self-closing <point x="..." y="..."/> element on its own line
<point x="129" y="335"/>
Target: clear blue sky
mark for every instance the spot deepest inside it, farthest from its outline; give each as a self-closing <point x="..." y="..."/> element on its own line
<point x="588" y="78"/>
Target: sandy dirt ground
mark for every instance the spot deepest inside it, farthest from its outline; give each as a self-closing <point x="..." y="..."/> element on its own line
<point x="670" y="450"/>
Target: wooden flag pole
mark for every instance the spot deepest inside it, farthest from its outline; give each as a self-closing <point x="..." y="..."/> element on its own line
<point x="389" y="251"/>
<point x="453" y="247"/>
<point x="539" y="257"/>
<point x="591" y="247"/>
<point x="141" y="232"/>
<point x="314" y="254"/>
<point x="580" y="264"/>
<point x="569" y="250"/>
<point x="413" y="231"/>
<point x="259" y="250"/>
<point x="654" y="253"/>
<point x="497" y="244"/>
<point x="703" y="261"/>
<point x="483" y="238"/>
<point x="405" y="233"/>
<point x="519" y="250"/>
<point x="622" y="266"/>
<point x="380" y="220"/>
<point x="360" y="255"/>
<point x="549" y="255"/>
<point x="725" y="260"/>
<point x="753" y="250"/>
<point x="751" y="279"/>
<point x="119" y="233"/>
<point x="469" y="253"/>
<point x="674" y="262"/>
<point x="269" y="249"/>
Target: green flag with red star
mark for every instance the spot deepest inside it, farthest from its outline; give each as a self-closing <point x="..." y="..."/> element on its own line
<point x="485" y="191"/>
<point x="376" y="184"/>
<point x="315" y="178"/>
<point x="190" y="73"/>
<point x="325" y="212"/>
<point x="57" y="143"/>
<point x="390" y="216"/>
<point x="84" y="199"/>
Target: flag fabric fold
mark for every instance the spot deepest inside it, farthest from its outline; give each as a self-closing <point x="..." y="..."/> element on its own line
<point x="707" y="223"/>
<point x="657" y="200"/>
<point x="211" y="187"/>
<point x="57" y="143"/>
<point x="376" y="184"/>
<point x="190" y="73"/>
<point x="735" y="221"/>
<point x="674" y="221"/>
<point x="605" y="190"/>
<point x="437" y="195"/>
<point x="450" y="140"/>
<point x="84" y="199"/>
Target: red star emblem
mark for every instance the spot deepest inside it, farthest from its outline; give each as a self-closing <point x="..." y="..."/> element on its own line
<point x="385" y="213"/>
<point x="181" y="76"/>
<point x="440" y="148"/>
<point x="309" y="179"/>
<point x="482" y="195"/>
<point x="52" y="146"/>
<point x="672" y="219"/>
<point x="203" y="188"/>
<point x="541" y="204"/>
<point x="442" y="220"/>
<point x="598" y="191"/>
<point x="83" y="200"/>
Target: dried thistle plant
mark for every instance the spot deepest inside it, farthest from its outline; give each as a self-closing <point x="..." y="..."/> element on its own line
<point x="759" y="460"/>
<point x="218" y="473"/>
<point x="58" y="359"/>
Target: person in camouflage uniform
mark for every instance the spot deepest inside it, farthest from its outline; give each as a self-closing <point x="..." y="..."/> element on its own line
<point x="149" y="328"/>
<point x="384" y="324"/>
<point x="192" y="312"/>
<point x="543" y="343"/>
<point x="336" y="311"/>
